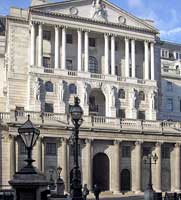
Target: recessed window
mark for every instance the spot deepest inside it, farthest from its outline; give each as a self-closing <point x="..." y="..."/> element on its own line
<point x="51" y="149"/>
<point x="169" y="86"/>
<point x="46" y="62"/>
<point x="23" y="150"/>
<point x="49" y="86"/>
<point x="69" y="38"/>
<point x="146" y="151"/>
<point x="121" y="113"/>
<point x="47" y="35"/>
<point x="49" y="107"/>
<point x="166" y="68"/>
<point x="141" y="115"/>
<point x="116" y="70"/>
<point x="169" y="104"/>
<point x="72" y="89"/>
<point x="93" y="64"/>
<point x="69" y="64"/>
<point x="121" y="94"/>
<point x="141" y="96"/>
<point x="165" y="152"/>
<point x="92" y="42"/>
<point x="126" y="151"/>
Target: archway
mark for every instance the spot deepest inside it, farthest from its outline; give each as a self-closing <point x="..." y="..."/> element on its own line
<point x="101" y="171"/>
<point x="125" y="180"/>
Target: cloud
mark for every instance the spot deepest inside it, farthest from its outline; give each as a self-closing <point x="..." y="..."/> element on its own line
<point x="135" y="3"/>
<point x="171" y="32"/>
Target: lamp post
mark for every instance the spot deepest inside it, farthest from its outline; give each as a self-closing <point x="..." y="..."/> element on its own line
<point x="150" y="160"/>
<point x="76" y="113"/>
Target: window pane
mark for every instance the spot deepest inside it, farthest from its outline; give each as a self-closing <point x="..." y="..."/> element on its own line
<point x="92" y="42"/>
<point x="69" y="64"/>
<point x="46" y="62"/>
<point x="169" y="86"/>
<point x="72" y="89"/>
<point x="169" y="104"/>
<point x="51" y="149"/>
<point x="23" y="149"/>
<point x="141" y="115"/>
<point x="126" y="152"/>
<point x="46" y="35"/>
<point x="146" y="151"/>
<point x="69" y="38"/>
<point x="93" y="65"/>
<point x="49" y="86"/>
<point x="49" y="107"/>
<point x="165" y="152"/>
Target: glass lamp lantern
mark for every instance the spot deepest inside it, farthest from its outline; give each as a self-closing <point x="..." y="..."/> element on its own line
<point x="76" y="111"/>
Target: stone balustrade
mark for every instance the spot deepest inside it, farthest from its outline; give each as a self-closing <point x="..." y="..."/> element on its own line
<point x="95" y="122"/>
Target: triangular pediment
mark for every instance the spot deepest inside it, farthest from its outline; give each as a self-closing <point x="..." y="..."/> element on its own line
<point x="96" y="10"/>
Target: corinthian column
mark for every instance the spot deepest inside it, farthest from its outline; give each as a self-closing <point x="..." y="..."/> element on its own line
<point x="146" y="61"/>
<point x="126" y="57"/>
<point x="152" y="62"/>
<point x="40" y="45"/>
<point x="106" y="54"/>
<point x="79" y="32"/>
<point x="63" y="61"/>
<point x="86" y="51"/>
<point x="133" y="66"/>
<point x="177" y="167"/>
<point x="12" y="156"/>
<point x="113" y="55"/>
<point x="57" y="47"/>
<point x="158" y="167"/>
<point x="32" y="62"/>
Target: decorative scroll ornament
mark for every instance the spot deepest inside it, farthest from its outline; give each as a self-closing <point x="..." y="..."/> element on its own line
<point x="73" y="11"/>
<point x="121" y="20"/>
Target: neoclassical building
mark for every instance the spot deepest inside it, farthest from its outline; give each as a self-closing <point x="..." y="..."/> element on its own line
<point x="111" y="60"/>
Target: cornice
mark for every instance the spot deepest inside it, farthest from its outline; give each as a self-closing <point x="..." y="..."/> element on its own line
<point x="93" y="21"/>
<point x="18" y="19"/>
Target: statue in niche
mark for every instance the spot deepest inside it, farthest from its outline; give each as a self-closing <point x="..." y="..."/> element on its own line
<point x="133" y="98"/>
<point x="99" y="10"/>
<point x="61" y="90"/>
<point x="37" y="89"/>
<point x="85" y="94"/>
<point x="113" y="97"/>
<point x="153" y="98"/>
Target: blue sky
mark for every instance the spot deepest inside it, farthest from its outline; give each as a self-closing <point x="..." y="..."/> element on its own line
<point x="165" y="13"/>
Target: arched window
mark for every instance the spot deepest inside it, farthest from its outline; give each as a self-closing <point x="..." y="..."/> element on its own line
<point x="49" y="86"/>
<point x="141" y="96"/>
<point x="93" y="65"/>
<point x="72" y="89"/>
<point x="121" y="94"/>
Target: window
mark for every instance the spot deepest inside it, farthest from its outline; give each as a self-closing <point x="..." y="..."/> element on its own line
<point x="69" y="39"/>
<point x="126" y="151"/>
<point x="69" y="64"/>
<point x="93" y="65"/>
<point x="116" y="70"/>
<point x="176" y="55"/>
<point x="165" y="152"/>
<point x="121" y="94"/>
<point x="72" y="89"/>
<point x="92" y="42"/>
<point x="49" y="86"/>
<point x="51" y="149"/>
<point x="169" y="104"/>
<point x="92" y="100"/>
<point x="72" y="150"/>
<point x="165" y="68"/>
<point x="164" y="53"/>
<point x="19" y="111"/>
<point x="169" y="86"/>
<point x="141" y="96"/>
<point x="23" y="150"/>
<point x="121" y="113"/>
<point x="47" y="35"/>
<point x="46" y="62"/>
<point x="49" y="107"/>
<point x="141" y="115"/>
<point x="146" y="151"/>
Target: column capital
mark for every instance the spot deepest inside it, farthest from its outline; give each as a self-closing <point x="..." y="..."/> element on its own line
<point x="107" y="34"/>
<point x="57" y="26"/>
<point x="138" y="142"/>
<point x="116" y="142"/>
<point x="177" y="145"/>
<point x="88" y="140"/>
<point x="158" y="143"/>
<point x="113" y="35"/>
<point x="86" y="30"/>
<point x="63" y="26"/>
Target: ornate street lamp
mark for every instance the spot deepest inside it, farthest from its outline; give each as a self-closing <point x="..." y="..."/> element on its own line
<point x="150" y="160"/>
<point x="29" y="134"/>
<point x="76" y="113"/>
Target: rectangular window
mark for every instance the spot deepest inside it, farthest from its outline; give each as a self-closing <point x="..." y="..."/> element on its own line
<point x="69" y="64"/>
<point x="19" y="111"/>
<point x="141" y="115"/>
<point x="46" y="62"/>
<point x="23" y="150"/>
<point x="51" y="149"/>
<point x="169" y="86"/>
<point x="49" y="107"/>
<point x="116" y="70"/>
<point x="165" y="152"/>
<point x="121" y="113"/>
<point x="47" y="35"/>
<point x="69" y="38"/>
<point x="176" y="55"/>
<point x="165" y="68"/>
<point x="146" y="151"/>
<point x="169" y="104"/>
<point x="92" y="42"/>
<point x="126" y="151"/>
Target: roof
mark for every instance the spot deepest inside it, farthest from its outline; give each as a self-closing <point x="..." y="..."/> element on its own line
<point x="2" y="25"/>
<point x="172" y="46"/>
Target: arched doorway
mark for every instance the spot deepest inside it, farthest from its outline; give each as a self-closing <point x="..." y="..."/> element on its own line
<point x="125" y="180"/>
<point x="101" y="171"/>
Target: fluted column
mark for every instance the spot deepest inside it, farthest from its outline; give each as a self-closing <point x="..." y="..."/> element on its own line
<point x="146" y="60"/>
<point x="136" y="184"/>
<point x="152" y="61"/>
<point x="177" y="167"/>
<point x="126" y="57"/>
<point x="133" y="66"/>
<point x="86" y="51"/>
<point x="113" y="55"/>
<point x="57" y="53"/>
<point x="158" y="167"/>
<point x="116" y="167"/>
<point x="32" y="62"/>
<point x="79" y="59"/>
<point x="12" y="156"/>
<point x="63" y="60"/>
<point x="106" y="53"/>
<point x="40" y="45"/>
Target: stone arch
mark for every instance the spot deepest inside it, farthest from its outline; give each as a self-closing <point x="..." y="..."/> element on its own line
<point x="101" y="171"/>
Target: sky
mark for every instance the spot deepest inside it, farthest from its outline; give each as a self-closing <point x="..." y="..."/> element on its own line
<point x="165" y="13"/>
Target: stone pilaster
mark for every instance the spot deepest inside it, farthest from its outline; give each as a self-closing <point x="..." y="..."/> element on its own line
<point x="12" y="156"/>
<point x="40" y="44"/>
<point x="32" y="62"/>
<point x="63" y="59"/>
<point x="152" y="61"/>
<point x="86" y="51"/>
<point x="126" y="57"/>
<point x="79" y="56"/>
<point x="133" y="65"/>
<point x="57" y="48"/>
<point x="146" y="60"/>
<point x="177" y="167"/>
<point x="106" y="54"/>
<point x="113" y="55"/>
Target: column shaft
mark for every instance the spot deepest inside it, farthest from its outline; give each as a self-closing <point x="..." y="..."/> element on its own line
<point x="40" y="45"/>
<point x="63" y="61"/>
<point x="133" y="66"/>
<point x="39" y="152"/>
<point x="126" y="57"/>
<point x="43" y="155"/>
<point x="32" y="62"/>
<point x="152" y="62"/>
<point x="177" y="167"/>
<point x="79" y="59"/>
<point x="158" y="167"/>
<point x="146" y="61"/>
<point x="86" y="51"/>
<point x="12" y="157"/>
<point x="113" y="55"/>
<point x="57" y="53"/>
<point x="106" y="54"/>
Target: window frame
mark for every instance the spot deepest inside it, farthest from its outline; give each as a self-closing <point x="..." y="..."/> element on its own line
<point x="49" y="86"/>
<point x="72" y="89"/>
<point x="50" y="110"/>
<point x="92" y="42"/>
<point x="69" y="38"/>
<point x="47" y="35"/>
<point x="51" y="148"/>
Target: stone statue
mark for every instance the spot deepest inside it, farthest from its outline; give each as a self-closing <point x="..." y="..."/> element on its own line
<point x="153" y="98"/>
<point x="133" y="98"/>
<point x="85" y="94"/>
<point x="61" y="90"/>
<point x="37" y="89"/>
<point x="99" y="10"/>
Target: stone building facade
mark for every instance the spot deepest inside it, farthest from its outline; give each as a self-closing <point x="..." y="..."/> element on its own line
<point x="111" y="60"/>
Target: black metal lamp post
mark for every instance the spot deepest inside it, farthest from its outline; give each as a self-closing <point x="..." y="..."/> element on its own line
<point x="150" y="160"/>
<point x="76" y="113"/>
<point x="29" y="134"/>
